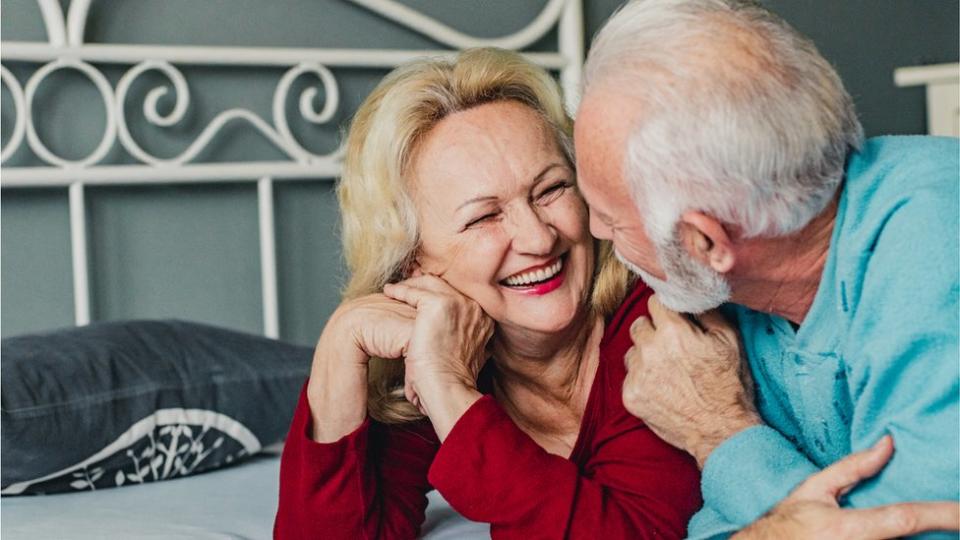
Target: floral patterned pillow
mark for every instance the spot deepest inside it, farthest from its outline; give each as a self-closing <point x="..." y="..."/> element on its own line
<point x="125" y="403"/>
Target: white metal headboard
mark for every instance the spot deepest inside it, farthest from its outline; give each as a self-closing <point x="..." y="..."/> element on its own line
<point x="942" y="82"/>
<point x="66" y="49"/>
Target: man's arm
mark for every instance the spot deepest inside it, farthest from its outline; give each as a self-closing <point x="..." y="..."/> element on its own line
<point x="903" y="353"/>
<point x="812" y="510"/>
<point x="681" y="383"/>
<point x="687" y="381"/>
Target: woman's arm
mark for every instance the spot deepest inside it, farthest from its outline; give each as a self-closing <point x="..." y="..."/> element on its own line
<point x="372" y="483"/>
<point x="633" y="485"/>
<point x="342" y="475"/>
<point x="447" y="349"/>
<point x="337" y="391"/>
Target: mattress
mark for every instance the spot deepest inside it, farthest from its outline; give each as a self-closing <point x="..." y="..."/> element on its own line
<point x="232" y="503"/>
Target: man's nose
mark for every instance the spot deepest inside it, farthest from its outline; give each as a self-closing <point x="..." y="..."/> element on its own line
<point x="598" y="228"/>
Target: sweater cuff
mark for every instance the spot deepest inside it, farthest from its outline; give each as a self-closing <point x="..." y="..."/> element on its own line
<point x="354" y="443"/>
<point x="457" y="448"/>
<point x="454" y="467"/>
<point x="751" y="472"/>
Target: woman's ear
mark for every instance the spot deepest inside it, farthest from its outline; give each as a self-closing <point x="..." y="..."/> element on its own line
<point x="413" y="269"/>
<point x="707" y="241"/>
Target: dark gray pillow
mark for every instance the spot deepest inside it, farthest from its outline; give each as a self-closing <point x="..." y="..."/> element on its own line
<point x="120" y="403"/>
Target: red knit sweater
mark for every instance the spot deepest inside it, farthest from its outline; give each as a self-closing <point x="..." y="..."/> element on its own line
<point x="621" y="481"/>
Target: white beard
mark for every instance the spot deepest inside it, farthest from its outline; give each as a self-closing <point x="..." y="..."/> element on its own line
<point x="690" y="287"/>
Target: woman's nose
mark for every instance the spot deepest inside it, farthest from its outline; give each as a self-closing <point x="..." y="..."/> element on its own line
<point x="532" y="234"/>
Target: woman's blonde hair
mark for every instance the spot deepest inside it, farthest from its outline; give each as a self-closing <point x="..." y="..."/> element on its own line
<point x="379" y="221"/>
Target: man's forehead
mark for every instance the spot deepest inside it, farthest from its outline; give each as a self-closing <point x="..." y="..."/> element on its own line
<point x="589" y="116"/>
<point x="600" y="138"/>
<point x="603" y="123"/>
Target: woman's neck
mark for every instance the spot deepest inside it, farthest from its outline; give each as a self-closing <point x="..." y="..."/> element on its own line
<point x="538" y="375"/>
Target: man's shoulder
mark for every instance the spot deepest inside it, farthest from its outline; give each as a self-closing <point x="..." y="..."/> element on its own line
<point x="900" y="179"/>
<point x="897" y="240"/>
<point x="757" y="328"/>
<point x="893" y="164"/>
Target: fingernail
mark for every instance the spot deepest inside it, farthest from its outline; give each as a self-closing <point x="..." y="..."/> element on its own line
<point x="877" y="446"/>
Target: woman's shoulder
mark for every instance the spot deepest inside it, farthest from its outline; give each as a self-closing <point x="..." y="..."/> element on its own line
<point x="634" y="305"/>
<point x="608" y="417"/>
<point x="616" y="340"/>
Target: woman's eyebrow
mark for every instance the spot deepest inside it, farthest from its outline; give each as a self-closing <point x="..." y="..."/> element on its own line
<point x="543" y="174"/>
<point x="482" y="198"/>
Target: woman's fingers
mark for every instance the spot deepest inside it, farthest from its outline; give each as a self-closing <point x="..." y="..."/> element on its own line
<point x="411" y="395"/>
<point x="424" y="282"/>
<point x="380" y="326"/>
<point x="844" y="475"/>
<point x="405" y="293"/>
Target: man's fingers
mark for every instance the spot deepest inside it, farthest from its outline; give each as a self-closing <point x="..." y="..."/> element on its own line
<point x="842" y="476"/>
<point x="641" y="329"/>
<point x="632" y="360"/>
<point x="714" y="321"/>
<point x="904" y="519"/>
<point x="661" y="316"/>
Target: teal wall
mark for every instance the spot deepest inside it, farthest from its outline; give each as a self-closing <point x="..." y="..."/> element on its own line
<point x="191" y="251"/>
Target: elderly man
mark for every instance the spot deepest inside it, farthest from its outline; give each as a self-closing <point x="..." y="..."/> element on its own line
<point x="720" y="153"/>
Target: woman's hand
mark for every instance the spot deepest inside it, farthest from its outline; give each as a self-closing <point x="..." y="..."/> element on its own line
<point x="446" y="351"/>
<point x="373" y="325"/>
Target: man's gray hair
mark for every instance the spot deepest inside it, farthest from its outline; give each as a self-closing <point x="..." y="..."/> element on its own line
<point x="740" y="116"/>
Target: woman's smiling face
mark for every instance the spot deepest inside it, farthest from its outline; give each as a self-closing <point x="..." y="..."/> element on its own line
<point x="500" y="217"/>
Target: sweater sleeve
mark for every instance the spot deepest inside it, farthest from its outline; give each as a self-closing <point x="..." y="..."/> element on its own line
<point x="905" y="368"/>
<point x="749" y="474"/>
<point x="372" y="483"/>
<point x="633" y="486"/>
<point x="902" y="378"/>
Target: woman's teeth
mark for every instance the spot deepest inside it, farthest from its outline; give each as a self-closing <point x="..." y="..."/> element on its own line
<point x="535" y="276"/>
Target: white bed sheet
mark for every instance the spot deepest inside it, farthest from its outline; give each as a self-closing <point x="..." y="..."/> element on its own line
<point x="234" y="503"/>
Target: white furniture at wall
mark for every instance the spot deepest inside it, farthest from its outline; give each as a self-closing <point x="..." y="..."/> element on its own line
<point x="66" y="49"/>
<point x="943" y="95"/>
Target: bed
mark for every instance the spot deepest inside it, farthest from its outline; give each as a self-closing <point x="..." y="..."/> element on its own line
<point x="235" y="503"/>
<point x="231" y="499"/>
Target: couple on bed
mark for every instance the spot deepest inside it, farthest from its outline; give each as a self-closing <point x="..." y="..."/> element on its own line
<point x="490" y="348"/>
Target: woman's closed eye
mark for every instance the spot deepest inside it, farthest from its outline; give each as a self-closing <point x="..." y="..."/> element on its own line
<point x="490" y="216"/>
<point x="553" y="192"/>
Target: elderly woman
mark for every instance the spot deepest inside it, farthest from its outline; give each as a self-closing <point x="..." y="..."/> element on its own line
<point x="479" y="348"/>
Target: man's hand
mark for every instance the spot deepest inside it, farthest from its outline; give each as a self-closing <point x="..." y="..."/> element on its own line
<point x="812" y="510"/>
<point x="687" y="381"/>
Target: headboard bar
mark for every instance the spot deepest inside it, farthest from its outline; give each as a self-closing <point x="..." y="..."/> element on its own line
<point x="103" y="53"/>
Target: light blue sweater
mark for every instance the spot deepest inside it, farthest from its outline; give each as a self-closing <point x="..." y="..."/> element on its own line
<point x="876" y="354"/>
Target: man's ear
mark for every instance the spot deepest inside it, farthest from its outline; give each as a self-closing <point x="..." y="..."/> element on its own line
<point x="707" y="241"/>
